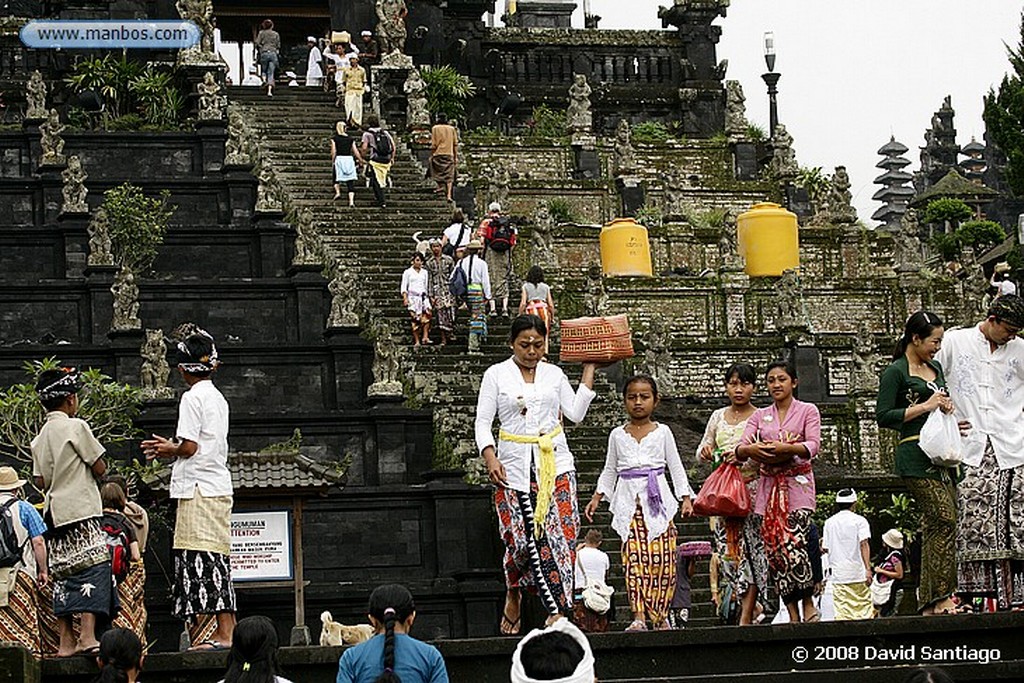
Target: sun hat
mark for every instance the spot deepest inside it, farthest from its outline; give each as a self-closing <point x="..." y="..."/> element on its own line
<point x="474" y="245"/>
<point x="893" y="538"/>
<point x="9" y="480"/>
<point x="846" y="496"/>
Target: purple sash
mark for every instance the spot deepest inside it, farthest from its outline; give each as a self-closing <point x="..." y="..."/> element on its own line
<point x="653" y="490"/>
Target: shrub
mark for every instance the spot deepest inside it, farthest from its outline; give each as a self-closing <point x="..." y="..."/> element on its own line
<point x="130" y="88"/>
<point x="947" y="244"/>
<point x="137" y="225"/>
<point x="756" y="133"/>
<point x="547" y="122"/>
<point x="649" y="216"/>
<point x="562" y="211"/>
<point x="815" y="182"/>
<point x="447" y="90"/>
<point x="650" y="132"/>
<point x="981" y="235"/>
<point x="946" y="210"/>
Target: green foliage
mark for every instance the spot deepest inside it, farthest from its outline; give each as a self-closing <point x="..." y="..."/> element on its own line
<point x="719" y="138"/>
<point x="443" y="454"/>
<point x="649" y="216"/>
<point x="447" y="90"/>
<point x="546" y="122"/>
<point x="137" y="224"/>
<point x="483" y="134"/>
<point x="814" y="181"/>
<point x="291" y="445"/>
<point x="1004" y="116"/>
<point x="756" y="133"/>
<point x="126" y="122"/>
<point x="904" y="515"/>
<point x="982" y="235"/>
<point x="650" y="132"/>
<point x="946" y="209"/>
<point x="562" y="211"/>
<point x="129" y="87"/>
<point x="947" y="245"/>
<point x="107" y="406"/>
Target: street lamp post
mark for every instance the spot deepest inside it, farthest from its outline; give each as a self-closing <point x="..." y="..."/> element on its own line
<point x="771" y="79"/>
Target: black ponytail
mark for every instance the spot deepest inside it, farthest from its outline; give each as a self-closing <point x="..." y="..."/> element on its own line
<point x="120" y="652"/>
<point x="921" y="325"/>
<point x="389" y="604"/>
<point x="253" y="655"/>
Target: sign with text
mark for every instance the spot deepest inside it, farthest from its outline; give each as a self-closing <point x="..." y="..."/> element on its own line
<point x="261" y="546"/>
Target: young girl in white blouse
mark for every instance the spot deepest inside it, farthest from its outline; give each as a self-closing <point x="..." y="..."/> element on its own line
<point x="643" y="505"/>
<point x="416" y="299"/>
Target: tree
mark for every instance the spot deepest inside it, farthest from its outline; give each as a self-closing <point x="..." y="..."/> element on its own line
<point x="1004" y="116"/>
<point x="137" y="224"/>
<point x="948" y="211"/>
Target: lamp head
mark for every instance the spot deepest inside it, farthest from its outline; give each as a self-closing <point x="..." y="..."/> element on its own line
<point x="769" y="50"/>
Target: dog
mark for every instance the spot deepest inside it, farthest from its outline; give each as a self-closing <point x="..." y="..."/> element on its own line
<point x="334" y="633"/>
<point x="422" y="245"/>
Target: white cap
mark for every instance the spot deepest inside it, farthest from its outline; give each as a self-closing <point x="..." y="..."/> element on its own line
<point x="846" y="496"/>
<point x="310" y="39"/>
<point x="366" y="33"/>
<point x="494" y="206"/>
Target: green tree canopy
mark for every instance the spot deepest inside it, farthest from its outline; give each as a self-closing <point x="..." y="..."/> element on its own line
<point x="1004" y="116"/>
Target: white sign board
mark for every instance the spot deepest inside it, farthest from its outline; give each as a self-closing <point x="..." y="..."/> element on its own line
<point x="261" y="546"/>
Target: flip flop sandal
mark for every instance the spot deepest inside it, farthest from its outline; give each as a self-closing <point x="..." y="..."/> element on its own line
<point x="813" y="618"/>
<point x="209" y="646"/>
<point x="87" y="652"/>
<point x="509" y="627"/>
<point x="636" y="625"/>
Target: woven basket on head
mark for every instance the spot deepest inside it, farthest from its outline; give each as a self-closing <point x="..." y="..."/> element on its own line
<point x="596" y="340"/>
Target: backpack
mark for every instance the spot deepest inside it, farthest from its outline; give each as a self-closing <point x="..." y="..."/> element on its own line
<point x="458" y="285"/>
<point x="382" y="146"/>
<point x="502" y="234"/>
<point x="449" y="248"/>
<point x="10" y="550"/>
<point x="120" y="549"/>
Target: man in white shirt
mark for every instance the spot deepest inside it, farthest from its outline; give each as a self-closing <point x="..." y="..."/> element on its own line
<point x="846" y="539"/>
<point x="252" y="78"/>
<point x="984" y="369"/>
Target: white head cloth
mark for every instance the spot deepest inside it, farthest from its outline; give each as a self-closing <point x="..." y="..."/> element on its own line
<point x="584" y="670"/>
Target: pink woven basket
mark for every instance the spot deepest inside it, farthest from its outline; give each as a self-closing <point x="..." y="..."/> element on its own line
<point x="596" y="340"/>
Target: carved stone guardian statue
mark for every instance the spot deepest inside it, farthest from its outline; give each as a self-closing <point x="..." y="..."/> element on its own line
<point x="783" y="164"/>
<point x="386" y="366"/>
<point x="269" y="197"/>
<point x="864" y="375"/>
<point x="391" y="32"/>
<point x="200" y="13"/>
<point x="126" y="301"/>
<point x="211" y="102"/>
<point x="735" y="111"/>
<point x="305" y="240"/>
<point x="578" y="117"/>
<point x="542" y="248"/>
<point x="344" y="299"/>
<point x="74" y="191"/>
<point x="907" y="257"/>
<point x="35" y="94"/>
<point x="417" y="115"/>
<point x="51" y="141"/>
<point x="595" y="298"/>
<point x="625" y="155"/>
<point x="154" y="371"/>
<point x="789" y="304"/>
<point x="728" y="243"/>
<point x="840" y="199"/>
<point x="100" y="247"/>
<point x="236" y="148"/>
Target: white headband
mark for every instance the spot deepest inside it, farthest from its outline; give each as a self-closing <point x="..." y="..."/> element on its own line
<point x="584" y="670"/>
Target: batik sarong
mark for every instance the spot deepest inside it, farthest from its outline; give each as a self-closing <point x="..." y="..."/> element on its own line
<point x="75" y="547"/>
<point x="90" y="590"/>
<point x="131" y="592"/>
<point x="789" y="565"/>
<point x="990" y="533"/>
<point x="202" y="584"/>
<point x="587" y="619"/>
<point x="852" y="601"/>
<point x="543" y="565"/>
<point x="650" y="567"/>
<point x="19" y="620"/>
<point x="937" y="502"/>
<point x="201" y="628"/>
<point x="477" y="311"/>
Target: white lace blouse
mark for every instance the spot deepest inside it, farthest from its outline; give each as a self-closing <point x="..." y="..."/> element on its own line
<point x="655" y="450"/>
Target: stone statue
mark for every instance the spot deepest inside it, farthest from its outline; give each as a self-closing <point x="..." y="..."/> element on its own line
<point x="417" y="115"/>
<point x="74" y="190"/>
<point x="499" y="180"/>
<point x="789" y="311"/>
<point x="907" y="257"/>
<point x="126" y="301"/>
<point x="728" y="243"/>
<point x="154" y="371"/>
<point x="679" y="200"/>
<point x="658" y="356"/>
<point x="595" y="298"/>
<point x="542" y="251"/>
<point x="735" y="111"/>
<point x="236" y="148"/>
<point x="840" y="199"/>
<point x="625" y="155"/>
<point x="211" y="102"/>
<point x="386" y="367"/>
<point x="783" y="164"/>
<point x="35" y="95"/>
<point x="100" y="247"/>
<point x="578" y="117"/>
<point x="391" y="31"/>
<point x="269" y="197"/>
<point x="975" y="287"/>
<point x="305" y="240"/>
<point x="344" y="299"/>
<point x="51" y="141"/>
<point x="864" y="375"/>
<point x="200" y="13"/>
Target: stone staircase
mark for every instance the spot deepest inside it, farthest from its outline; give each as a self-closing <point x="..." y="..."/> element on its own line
<point x="295" y="130"/>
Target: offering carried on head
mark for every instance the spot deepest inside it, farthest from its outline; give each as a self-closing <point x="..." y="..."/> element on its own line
<point x="604" y="339"/>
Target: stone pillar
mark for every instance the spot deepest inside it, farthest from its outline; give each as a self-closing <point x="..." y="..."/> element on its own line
<point x="273" y="234"/>
<point x="353" y="358"/>
<point x="127" y="359"/>
<point x="53" y="199"/>
<point x="241" y="186"/>
<point x="211" y="136"/>
<point x="311" y="302"/>
<point x="75" y="236"/>
<point x="735" y="284"/>
<point x="387" y="94"/>
<point x="99" y="279"/>
<point x="586" y="162"/>
<point x="867" y="427"/>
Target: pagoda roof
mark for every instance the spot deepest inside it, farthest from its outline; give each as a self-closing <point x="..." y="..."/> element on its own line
<point x="894" y="177"/>
<point x="893" y="162"/>
<point x="894" y="192"/>
<point x="269" y="473"/>
<point x="893" y="148"/>
<point x="955" y="185"/>
<point x="972" y="146"/>
<point x="883" y="212"/>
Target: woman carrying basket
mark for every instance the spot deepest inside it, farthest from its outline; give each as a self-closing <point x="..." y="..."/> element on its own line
<point x="532" y="468"/>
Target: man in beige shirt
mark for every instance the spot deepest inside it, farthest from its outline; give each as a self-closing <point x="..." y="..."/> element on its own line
<point x="444" y="145"/>
<point x="350" y="91"/>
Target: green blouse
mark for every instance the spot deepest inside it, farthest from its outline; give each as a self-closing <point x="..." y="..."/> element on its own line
<point x="897" y="391"/>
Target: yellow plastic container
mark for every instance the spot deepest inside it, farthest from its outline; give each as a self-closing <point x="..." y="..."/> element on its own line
<point x="625" y="249"/>
<point x="768" y="240"/>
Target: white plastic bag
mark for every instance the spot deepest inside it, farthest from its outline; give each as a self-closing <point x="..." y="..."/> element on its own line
<point x="940" y="439"/>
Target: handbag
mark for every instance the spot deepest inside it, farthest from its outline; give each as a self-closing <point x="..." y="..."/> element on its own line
<point x="723" y="494"/>
<point x="597" y="595"/>
<point x="940" y="439"/>
<point x="880" y="592"/>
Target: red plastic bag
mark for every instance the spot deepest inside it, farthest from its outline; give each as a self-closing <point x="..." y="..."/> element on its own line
<point x="723" y="494"/>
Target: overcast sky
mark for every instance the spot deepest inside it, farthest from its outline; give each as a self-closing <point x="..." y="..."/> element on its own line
<point x="854" y="73"/>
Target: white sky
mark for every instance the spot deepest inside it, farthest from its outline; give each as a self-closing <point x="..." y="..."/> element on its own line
<point x="855" y="72"/>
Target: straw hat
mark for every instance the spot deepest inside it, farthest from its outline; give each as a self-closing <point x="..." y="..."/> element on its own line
<point x="1002" y="267"/>
<point x="893" y="538"/>
<point x="474" y="245"/>
<point x="9" y="480"/>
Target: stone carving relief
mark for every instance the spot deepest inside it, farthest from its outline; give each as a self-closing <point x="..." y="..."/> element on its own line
<point x="595" y="298"/>
<point x="864" y="377"/>
<point x="35" y="94"/>
<point x="74" y="191"/>
<point x="154" y="371"/>
<point x="658" y="355"/>
<point x="344" y="298"/>
<point x="735" y="111"/>
<point x="386" y="364"/>
<point x="728" y="243"/>
<point x="100" y="247"/>
<point x="269" y="196"/>
<point x="200" y="13"/>
<point x="211" y="102"/>
<point x="417" y="115"/>
<point x="783" y="164"/>
<point x="625" y="155"/>
<point x="840" y="199"/>
<point x="542" y="246"/>
<point x="239" y="143"/>
<point x="305" y="240"/>
<point x="578" y="117"/>
<point x="391" y="30"/>
<point x="789" y="304"/>
<point x="126" y="301"/>
<point x="51" y="141"/>
<point x="975" y="287"/>
<point x="907" y="256"/>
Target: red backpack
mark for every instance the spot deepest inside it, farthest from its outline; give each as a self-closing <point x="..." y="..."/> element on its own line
<point x="119" y="546"/>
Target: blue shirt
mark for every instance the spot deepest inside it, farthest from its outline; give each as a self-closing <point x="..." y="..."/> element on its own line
<point x="415" y="662"/>
<point x="29" y="517"/>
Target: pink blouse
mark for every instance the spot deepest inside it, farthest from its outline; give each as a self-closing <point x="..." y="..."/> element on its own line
<point x="802" y="426"/>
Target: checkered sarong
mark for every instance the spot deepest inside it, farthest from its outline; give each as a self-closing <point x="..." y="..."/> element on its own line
<point x="204" y="524"/>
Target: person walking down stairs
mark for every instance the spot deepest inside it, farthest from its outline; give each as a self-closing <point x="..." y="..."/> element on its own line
<point x="379" y="147"/>
<point x="416" y="299"/>
<point x="471" y="280"/>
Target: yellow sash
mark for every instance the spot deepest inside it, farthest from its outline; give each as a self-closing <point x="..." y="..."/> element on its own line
<point x="545" y="471"/>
